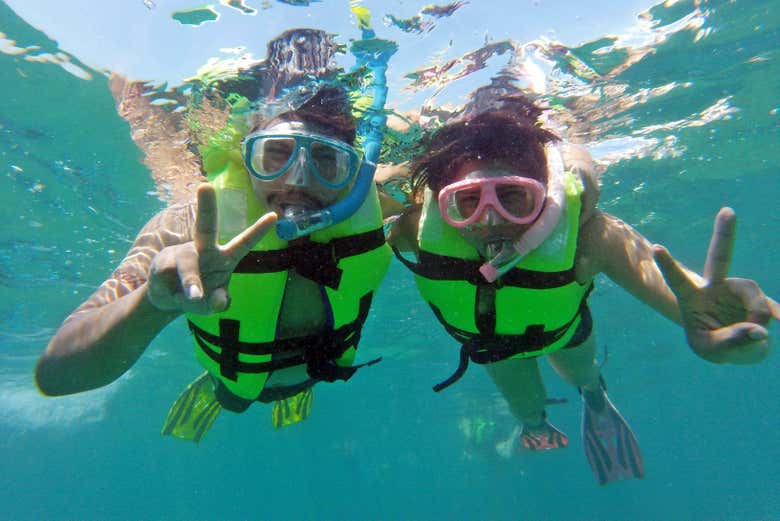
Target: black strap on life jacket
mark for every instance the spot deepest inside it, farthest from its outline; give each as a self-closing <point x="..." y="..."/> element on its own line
<point x="318" y="352"/>
<point x="315" y="261"/>
<point x="442" y="267"/>
<point x="487" y="347"/>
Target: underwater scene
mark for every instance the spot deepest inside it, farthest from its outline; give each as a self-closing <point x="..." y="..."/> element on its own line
<point x="659" y="114"/>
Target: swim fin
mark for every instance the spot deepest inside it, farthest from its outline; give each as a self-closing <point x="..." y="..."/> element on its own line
<point x="543" y="437"/>
<point x="194" y="411"/>
<point x="292" y="410"/>
<point x="610" y="446"/>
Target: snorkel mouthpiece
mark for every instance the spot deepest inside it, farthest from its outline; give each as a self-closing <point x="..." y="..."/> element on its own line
<point x="503" y="257"/>
<point x="298" y="222"/>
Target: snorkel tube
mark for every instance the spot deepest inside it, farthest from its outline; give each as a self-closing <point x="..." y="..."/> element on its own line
<point x="509" y="254"/>
<point x="374" y="53"/>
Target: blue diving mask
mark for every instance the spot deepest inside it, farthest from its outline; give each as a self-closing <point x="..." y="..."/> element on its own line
<point x="269" y="155"/>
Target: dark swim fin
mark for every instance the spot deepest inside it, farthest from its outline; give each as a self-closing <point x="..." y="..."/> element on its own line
<point x="292" y="410"/>
<point x="610" y="446"/>
<point x="194" y="411"/>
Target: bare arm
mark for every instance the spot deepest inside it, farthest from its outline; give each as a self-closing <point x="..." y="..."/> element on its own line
<point x="104" y="337"/>
<point x="725" y="319"/>
<point x="176" y="266"/>
<point x="610" y="246"/>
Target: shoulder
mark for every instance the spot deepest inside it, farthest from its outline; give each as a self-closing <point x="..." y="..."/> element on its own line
<point x="579" y="161"/>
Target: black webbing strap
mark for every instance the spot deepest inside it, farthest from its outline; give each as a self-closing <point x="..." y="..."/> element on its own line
<point x="318" y="351"/>
<point x="442" y="267"/>
<point x="314" y="260"/>
<point x="487" y="349"/>
<point x="321" y="359"/>
<point x="483" y="349"/>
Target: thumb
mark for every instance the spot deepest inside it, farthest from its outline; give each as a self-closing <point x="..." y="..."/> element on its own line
<point x="673" y="273"/>
<point x="740" y="343"/>
<point x="774" y="307"/>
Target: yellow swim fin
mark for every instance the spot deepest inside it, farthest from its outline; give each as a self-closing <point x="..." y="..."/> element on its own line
<point x="292" y="410"/>
<point x="194" y="411"/>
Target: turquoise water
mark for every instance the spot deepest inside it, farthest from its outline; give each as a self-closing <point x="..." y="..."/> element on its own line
<point x="689" y="127"/>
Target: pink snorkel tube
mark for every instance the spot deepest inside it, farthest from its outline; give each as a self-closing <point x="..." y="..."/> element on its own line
<point x="512" y="253"/>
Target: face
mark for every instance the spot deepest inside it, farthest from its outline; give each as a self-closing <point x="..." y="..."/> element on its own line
<point x="298" y="186"/>
<point x="491" y="227"/>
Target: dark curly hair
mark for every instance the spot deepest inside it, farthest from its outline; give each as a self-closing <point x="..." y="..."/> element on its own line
<point x="329" y="111"/>
<point x="509" y="132"/>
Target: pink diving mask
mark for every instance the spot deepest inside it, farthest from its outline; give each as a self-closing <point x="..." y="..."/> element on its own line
<point x="517" y="199"/>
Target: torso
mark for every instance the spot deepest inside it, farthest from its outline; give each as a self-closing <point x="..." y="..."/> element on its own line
<point x="303" y="313"/>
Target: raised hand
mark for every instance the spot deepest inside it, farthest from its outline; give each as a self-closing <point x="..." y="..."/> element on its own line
<point x="724" y="318"/>
<point x="193" y="277"/>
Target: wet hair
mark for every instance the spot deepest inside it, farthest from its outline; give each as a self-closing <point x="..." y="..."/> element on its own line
<point x="329" y="111"/>
<point x="509" y="133"/>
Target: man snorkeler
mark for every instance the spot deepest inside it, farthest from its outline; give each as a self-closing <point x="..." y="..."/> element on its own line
<point x="274" y="265"/>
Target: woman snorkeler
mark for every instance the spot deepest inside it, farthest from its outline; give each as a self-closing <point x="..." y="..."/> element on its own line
<point x="507" y="244"/>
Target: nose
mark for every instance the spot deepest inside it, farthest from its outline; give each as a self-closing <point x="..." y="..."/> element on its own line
<point x="298" y="174"/>
<point x="491" y="217"/>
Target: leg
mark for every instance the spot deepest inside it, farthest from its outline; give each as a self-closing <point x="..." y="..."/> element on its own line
<point x="577" y="364"/>
<point x="520" y="382"/>
<point x="611" y="448"/>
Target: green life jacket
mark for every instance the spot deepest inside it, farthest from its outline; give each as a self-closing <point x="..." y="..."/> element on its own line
<point x="347" y="260"/>
<point x="534" y="308"/>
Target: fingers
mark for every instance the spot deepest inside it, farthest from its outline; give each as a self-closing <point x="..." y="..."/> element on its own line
<point x="757" y="306"/>
<point x="188" y="267"/>
<point x="219" y="300"/>
<point x="774" y="307"/>
<point x="740" y="343"/>
<point x="216" y="302"/>
<point x="674" y="273"/>
<point x="716" y="267"/>
<point x="206" y="219"/>
<point x="246" y="240"/>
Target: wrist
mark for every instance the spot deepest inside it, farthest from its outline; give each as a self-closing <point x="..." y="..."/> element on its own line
<point x="150" y="303"/>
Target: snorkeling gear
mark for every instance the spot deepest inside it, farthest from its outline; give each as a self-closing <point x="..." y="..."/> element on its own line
<point x="517" y="199"/>
<point x="295" y="224"/>
<point x="611" y="448"/>
<point x="269" y="155"/>
<point x="194" y="411"/>
<point x="373" y="53"/>
<point x="512" y="253"/>
<point x="293" y="409"/>
<point x="543" y="437"/>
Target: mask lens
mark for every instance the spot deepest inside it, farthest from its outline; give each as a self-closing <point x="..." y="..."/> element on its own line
<point x="272" y="155"/>
<point x="332" y="163"/>
<point x="518" y="201"/>
<point x="466" y="203"/>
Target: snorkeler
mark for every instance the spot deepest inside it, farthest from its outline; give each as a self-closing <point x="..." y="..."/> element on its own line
<point x="507" y="242"/>
<point x="274" y="266"/>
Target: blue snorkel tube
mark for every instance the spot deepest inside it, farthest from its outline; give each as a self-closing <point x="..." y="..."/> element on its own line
<point x="374" y="53"/>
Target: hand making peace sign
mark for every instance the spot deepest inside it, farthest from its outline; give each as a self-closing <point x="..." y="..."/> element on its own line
<point x="192" y="277"/>
<point x="725" y="318"/>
